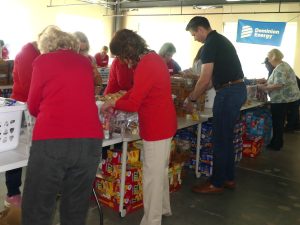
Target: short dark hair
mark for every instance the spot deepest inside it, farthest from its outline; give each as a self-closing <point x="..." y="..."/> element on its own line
<point x="127" y="44"/>
<point x="105" y="48"/>
<point x="198" y="21"/>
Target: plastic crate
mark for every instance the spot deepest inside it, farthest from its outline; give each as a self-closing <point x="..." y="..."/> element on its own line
<point x="10" y="124"/>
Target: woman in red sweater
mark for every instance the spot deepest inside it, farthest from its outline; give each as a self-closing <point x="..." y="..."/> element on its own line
<point x="23" y="70"/>
<point x="67" y="136"/>
<point x="102" y="57"/>
<point x="84" y="47"/>
<point x="4" y="53"/>
<point x="22" y="78"/>
<point x="120" y="77"/>
<point x="151" y="97"/>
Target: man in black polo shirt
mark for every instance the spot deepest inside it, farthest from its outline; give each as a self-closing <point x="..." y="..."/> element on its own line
<point x="222" y="68"/>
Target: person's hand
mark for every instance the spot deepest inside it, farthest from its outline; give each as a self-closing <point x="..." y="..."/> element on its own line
<point x="108" y="107"/>
<point x="98" y="90"/>
<point x="261" y="81"/>
<point x="189" y="73"/>
<point x="262" y="87"/>
<point x="188" y="105"/>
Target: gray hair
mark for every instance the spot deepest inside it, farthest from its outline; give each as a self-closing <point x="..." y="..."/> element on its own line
<point x="275" y="54"/>
<point x="82" y="38"/>
<point x="167" y="48"/>
<point x="52" y="39"/>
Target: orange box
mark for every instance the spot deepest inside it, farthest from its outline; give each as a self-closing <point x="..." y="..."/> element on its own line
<point x="106" y="187"/>
<point x="175" y="180"/>
<point x="114" y="156"/>
<point x="134" y="174"/>
<point x="133" y="155"/>
<point x="252" y="146"/>
<point x="111" y="170"/>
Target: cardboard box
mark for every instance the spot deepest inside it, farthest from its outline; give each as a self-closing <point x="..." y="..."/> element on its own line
<point x="114" y="156"/>
<point x="252" y="146"/>
<point x="175" y="180"/>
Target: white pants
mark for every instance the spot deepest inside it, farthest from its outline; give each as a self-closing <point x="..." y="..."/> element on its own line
<point x="155" y="181"/>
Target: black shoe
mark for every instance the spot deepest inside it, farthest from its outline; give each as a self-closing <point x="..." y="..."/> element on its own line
<point x="297" y="129"/>
<point x="274" y="149"/>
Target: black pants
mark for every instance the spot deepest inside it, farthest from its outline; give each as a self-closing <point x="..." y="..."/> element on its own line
<point x="13" y="181"/>
<point x="67" y="166"/>
<point x="292" y="115"/>
<point x="278" y="111"/>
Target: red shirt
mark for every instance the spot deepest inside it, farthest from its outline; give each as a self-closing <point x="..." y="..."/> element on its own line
<point x="120" y="77"/>
<point x="101" y="59"/>
<point x="22" y="72"/>
<point x="5" y="53"/>
<point x="151" y="97"/>
<point x="62" y="98"/>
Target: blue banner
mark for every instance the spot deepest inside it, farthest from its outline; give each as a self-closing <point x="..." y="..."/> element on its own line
<point x="262" y="33"/>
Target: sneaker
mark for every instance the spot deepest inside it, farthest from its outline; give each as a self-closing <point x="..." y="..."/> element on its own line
<point x="15" y="200"/>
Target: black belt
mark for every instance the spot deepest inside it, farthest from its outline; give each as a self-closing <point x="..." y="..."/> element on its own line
<point x="228" y="84"/>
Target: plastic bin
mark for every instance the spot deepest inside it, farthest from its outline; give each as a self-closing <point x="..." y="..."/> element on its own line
<point x="10" y="124"/>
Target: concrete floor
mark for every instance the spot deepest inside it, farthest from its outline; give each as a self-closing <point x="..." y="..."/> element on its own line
<point x="268" y="193"/>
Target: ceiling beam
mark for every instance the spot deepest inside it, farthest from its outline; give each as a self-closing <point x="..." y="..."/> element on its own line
<point x="127" y="4"/>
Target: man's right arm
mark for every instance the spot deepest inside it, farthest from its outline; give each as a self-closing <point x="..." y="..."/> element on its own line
<point x="204" y="82"/>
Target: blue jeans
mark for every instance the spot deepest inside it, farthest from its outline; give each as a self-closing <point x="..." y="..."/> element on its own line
<point x="226" y="111"/>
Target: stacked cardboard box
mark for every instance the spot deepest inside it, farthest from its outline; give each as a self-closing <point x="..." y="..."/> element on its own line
<point x="181" y="88"/>
<point x="206" y="152"/>
<point x="252" y="146"/>
<point x="175" y="176"/>
<point x="107" y="184"/>
<point x="258" y="131"/>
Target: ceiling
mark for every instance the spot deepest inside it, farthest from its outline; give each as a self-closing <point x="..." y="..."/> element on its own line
<point x="127" y="4"/>
<point x="168" y="3"/>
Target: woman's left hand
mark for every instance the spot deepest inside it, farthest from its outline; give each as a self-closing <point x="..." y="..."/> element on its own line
<point x="108" y="107"/>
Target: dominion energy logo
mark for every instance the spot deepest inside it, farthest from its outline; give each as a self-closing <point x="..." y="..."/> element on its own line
<point x="248" y="31"/>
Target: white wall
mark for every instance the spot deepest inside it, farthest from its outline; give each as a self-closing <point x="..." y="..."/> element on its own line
<point x="23" y="20"/>
<point x="166" y="17"/>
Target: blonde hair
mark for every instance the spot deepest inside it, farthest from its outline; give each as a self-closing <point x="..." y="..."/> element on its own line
<point x="275" y="55"/>
<point x="52" y="39"/>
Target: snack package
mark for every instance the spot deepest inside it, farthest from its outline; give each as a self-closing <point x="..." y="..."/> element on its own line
<point x="124" y="122"/>
<point x="109" y="97"/>
<point x="255" y="94"/>
<point x="252" y="146"/>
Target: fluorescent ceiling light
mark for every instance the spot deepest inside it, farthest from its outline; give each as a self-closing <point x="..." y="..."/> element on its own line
<point x="204" y="7"/>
